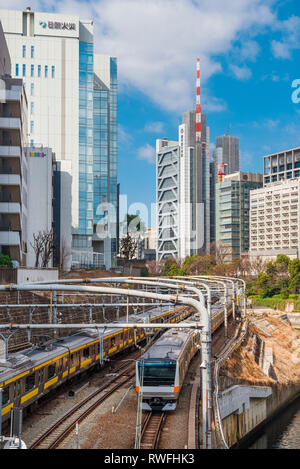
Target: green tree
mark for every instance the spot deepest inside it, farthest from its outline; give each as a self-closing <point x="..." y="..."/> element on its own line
<point x="199" y="264"/>
<point x="176" y="271"/>
<point x="294" y="267"/>
<point x="168" y="264"/>
<point x="282" y="263"/>
<point x="294" y="283"/>
<point x="5" y="261"/>
<point x="271" y="270"/>
<point x="144" y="272"/>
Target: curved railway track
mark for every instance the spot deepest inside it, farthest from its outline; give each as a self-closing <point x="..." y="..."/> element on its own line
<point x="151" y="430"/>
<point x="52" y="437"/>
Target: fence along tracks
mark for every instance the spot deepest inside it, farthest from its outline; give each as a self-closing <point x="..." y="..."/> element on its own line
<point x="234" y="343"/>
<point x="51" y="438"/>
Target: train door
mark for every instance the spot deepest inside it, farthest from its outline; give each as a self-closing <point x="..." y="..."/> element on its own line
<point x="16" y="387"/>
<point x="40" y="378"/>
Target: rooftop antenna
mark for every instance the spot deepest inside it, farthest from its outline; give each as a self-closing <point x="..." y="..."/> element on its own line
<point x="198" y="105"/>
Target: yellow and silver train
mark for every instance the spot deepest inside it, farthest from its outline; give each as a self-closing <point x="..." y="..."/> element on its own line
<point x="31" y="374"/>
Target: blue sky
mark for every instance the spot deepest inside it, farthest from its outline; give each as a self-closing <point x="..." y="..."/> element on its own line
<point x="249" y="52"/>
<point x="254" y="93"/>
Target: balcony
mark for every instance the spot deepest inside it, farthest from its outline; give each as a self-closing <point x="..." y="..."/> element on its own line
<point x="11" y="95"/>
<point x="9" y="238"/>
<point x="10" y="151"/>
<point x="10" y="123"/>
<point x="10" y="207"/>
<point x="10" y="180"/>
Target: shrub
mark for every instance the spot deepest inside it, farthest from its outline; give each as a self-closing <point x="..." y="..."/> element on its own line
<point x="5" y="261"/>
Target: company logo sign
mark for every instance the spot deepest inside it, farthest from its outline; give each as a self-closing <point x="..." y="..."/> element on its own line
<point x="58" y="25"/>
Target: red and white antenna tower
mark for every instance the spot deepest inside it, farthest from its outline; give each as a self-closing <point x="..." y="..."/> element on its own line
<point x="198" y="105"/>
<point x="220" y="167"/>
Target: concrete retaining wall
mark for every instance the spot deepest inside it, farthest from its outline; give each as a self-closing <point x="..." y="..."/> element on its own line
<point x="27" y="275"/>
<point x="241" y="419"/>
<point x="36" y="275"/>
<point x="237" y="426"/>
<point x="294" y="319"/>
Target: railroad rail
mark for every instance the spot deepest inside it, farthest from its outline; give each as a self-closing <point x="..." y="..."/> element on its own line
<point x="52" y="437"/>
<point x="151" y="430"/>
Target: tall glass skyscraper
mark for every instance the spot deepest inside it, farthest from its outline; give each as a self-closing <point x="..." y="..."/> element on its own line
<point x="72" y="94"/>
<point x="105" y="156"/>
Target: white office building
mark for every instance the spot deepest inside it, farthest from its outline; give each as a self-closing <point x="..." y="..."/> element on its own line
<point x="66" y="84"/>
<point x="167" y="199"/>
<point x="183" y="191"/>
<point x="274" y="220"/>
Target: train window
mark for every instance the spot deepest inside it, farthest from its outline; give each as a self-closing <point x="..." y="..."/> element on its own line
<point x="86" y="352"/>
<point x="17" y="388"/>
<point x="30" y="382"/>
<point x="51" y="371"/>
<point x="72" y="361"/>
<point x="113" y="341"/>
<point x="158" y="373"/>
<point x="5" y="396"/>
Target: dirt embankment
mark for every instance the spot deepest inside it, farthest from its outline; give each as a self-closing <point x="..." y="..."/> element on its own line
<point x="269" y="355"/>
<point x="83" y="273"/>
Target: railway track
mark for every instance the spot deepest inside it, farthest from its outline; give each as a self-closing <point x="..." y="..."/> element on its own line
<point x="52" y="437"/>
<point x="151" y="430"/>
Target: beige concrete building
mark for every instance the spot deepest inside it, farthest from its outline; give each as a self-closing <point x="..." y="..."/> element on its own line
<point x="274" y="220"/>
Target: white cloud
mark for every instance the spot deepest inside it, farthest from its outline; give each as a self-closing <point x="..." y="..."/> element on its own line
<point x="154" y="127"/>
<point x="212" y="104"/>
<point x="241" y="73"/>
<point x="147" y="152"/>
<point x="269" y="124"/>
<point x="157" y="41"/>
<point x="248" y="50"/>
<point x="123" y="135"/>
<point x="290" y="31"/>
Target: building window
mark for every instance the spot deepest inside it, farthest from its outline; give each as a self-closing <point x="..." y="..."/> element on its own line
<point x="31" y="108"/>
<point x="53" y="71"/>
<point x="17" y="70"/>
<point x="24" y="52"/>
<point x="32" y="70"/>
<point x="32" y="89"/>
<point x="31" y="143"/>
<point x="31" y="126"/>
<point x="46" y="71"/>
<point x="32" y="52"/>
<point x="39" y="71"/>
<point x="24" y="70"/>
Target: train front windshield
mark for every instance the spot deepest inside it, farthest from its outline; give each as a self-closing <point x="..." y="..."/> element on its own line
<point x="157" y="373"/>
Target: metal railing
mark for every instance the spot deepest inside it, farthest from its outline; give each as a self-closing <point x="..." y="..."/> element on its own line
<point x="87" y="259"/>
